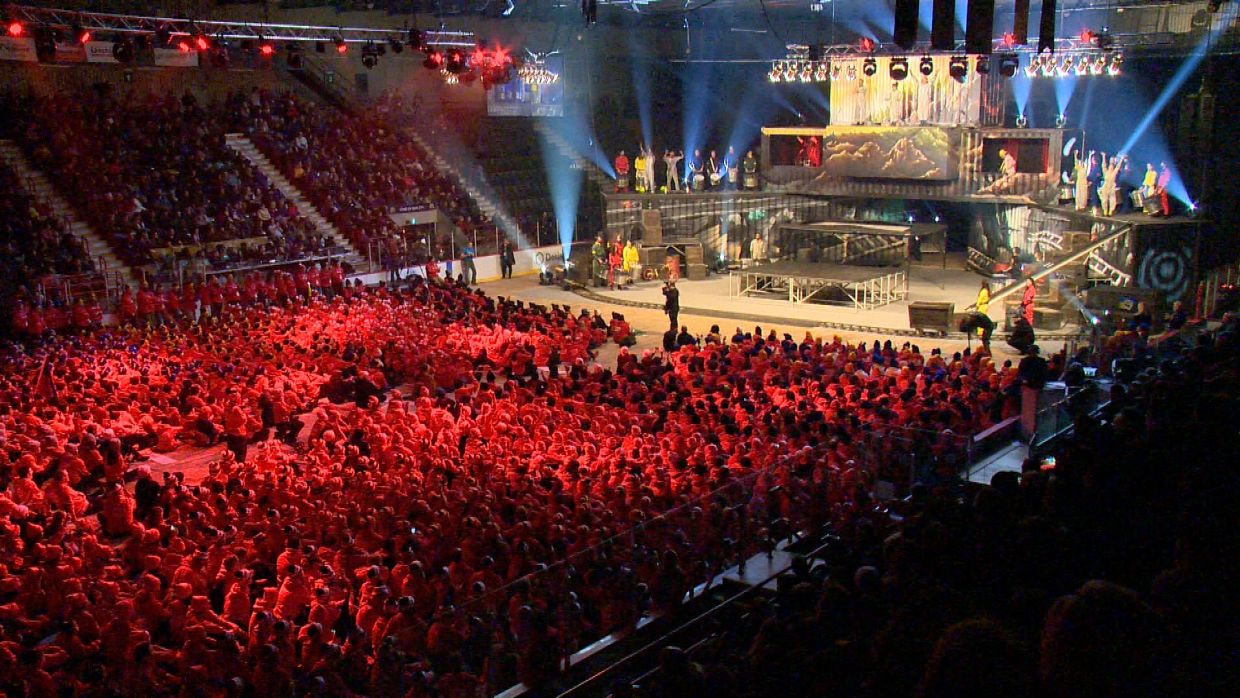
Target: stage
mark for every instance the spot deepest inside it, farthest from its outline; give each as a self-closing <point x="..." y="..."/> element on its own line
<point x="712" y="298"/>
<point x="865" y="288"/>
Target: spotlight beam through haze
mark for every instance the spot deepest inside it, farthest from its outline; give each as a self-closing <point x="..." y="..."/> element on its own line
<point x="563" y="179"/>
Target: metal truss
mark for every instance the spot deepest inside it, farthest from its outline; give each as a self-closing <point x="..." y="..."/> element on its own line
<point x="132" y="24"/>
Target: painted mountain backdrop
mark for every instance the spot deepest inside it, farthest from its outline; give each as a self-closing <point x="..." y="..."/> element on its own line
<point x="890" y="152"/>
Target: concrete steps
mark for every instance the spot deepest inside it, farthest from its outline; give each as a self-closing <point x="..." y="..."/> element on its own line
<point x="484" y="200"/>
<point x="42" y="189"/>
<point x="245" y="147"/>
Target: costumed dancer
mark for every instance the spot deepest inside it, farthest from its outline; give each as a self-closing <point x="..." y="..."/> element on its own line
<point x="639" y="171"/>
<point x="983" y="301"/>
<point x="713" y="171"/>
<point x="673" y="170"/>
<point x="1080" y="176"/>
<point x="1149" y="187"/>
<point x="650" y="183"/>
<point x="615" y="265"/>
<point x="631" y="261"/>
<point x="1108" y="190"/>
<point x="1027" y="300"/>
<point x="750" y="167"/>
<point x="622" y="172"/>
<point x="598" y="257"/>
<point x="1164" y="179"/>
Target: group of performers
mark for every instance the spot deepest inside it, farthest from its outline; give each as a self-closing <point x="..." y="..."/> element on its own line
<point x="649" y="173"/>
<point x="1097" y="170"/>
<point x="618" y="263"/>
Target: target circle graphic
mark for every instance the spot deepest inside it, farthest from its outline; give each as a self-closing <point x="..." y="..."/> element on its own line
<point x="1167" y="270"/>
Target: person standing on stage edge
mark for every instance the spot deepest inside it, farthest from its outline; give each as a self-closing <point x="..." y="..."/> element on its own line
<point x="671" y="302"/>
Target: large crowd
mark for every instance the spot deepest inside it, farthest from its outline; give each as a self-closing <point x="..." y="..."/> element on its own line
<point x="156" y="179"/>
<point x="34" y="242"/>
<point x="512" y="501"/>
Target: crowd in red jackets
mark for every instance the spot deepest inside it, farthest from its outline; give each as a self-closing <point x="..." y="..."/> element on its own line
<point x="513" y="503"/>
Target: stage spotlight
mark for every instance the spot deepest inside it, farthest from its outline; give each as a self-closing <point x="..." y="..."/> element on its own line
<point x="983" y="65"/>
<point x="1022" y="121"/>
<point x="1065" y="67"/>
<point x="416" y="40"/>
<point x="1060" y="121"/>
<point x="1008" y="63"/>
<point x="201" y="42"/>
<point x="123" y="50"/>
<point x="1082" y="66"/>
<point x="898" y="68"/>
<point x="807" y="71"/>
<point x="869" y="67"/>
<point x="370" y="55"/>
<point x="1116" y="61"/>
<point x="1049" y="67"/>
<point x="1031" y="70"/>
<point x="1009" y="39"/>
<point x="341" y="47"/>
<point x="434" y="60"/>
<point x="163" y="37"/>
<point x="820" y="72"/>
<point x="851" y="73"/>
<point x="266" y="49"/>
<point x="866" y="44"/>
<point x="1086" y="36"/>
<point x="15" y="29"/>
<point x="292" y="56"/>
<point x="836" y="71"/>
<point x="80" y="35"/>
<point x="45" y="44"/>
<point x="927" y="66"/>
<point x="777" y="72"/>
<point x="380" y="49"/>
<point x="958" y="67"/>
<point x="1098" y="66"/>
<point x="396" y="44"/>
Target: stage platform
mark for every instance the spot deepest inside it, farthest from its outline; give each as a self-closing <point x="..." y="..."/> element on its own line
<point x="865" y="288"/>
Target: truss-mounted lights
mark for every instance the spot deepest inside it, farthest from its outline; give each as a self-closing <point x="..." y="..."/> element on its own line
<point x="958" y="67"/>
<point x="898" y="69"/>
<point x="869" y="67"/>
<point x="926" y="67"/>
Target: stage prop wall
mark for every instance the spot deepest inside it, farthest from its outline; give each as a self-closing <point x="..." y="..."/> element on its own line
<point x="915" y="162"/>
<point x="856" y="99"/>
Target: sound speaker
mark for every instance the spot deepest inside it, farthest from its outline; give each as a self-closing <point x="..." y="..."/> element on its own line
<point x="1020" y="22"/>
<point x="943" y="26"/>
<point x="979" y="28"/>
<point x="905" y="33"/>
<point x="652" y="227"/>
<point x="1046" y="30"/>
<point x="929" y="316"/>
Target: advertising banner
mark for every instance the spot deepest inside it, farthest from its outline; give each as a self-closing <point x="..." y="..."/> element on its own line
<point x="175" y="58"/>
<point x="99" y="52"/>
<point x="18" y="49"/>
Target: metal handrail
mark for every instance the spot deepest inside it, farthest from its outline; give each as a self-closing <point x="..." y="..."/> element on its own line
<point x="1071" y="259"/>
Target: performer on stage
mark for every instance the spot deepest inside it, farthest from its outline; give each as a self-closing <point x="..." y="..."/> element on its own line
<point x="697" y="174"/>
<point x="615" y="265"/>
<point x="750" y="166"/>
<point x="649" y="155"/>
<point x="598" y="258"/>
<point x="733" y="166"/>
<point x="925" y="101"/>
<point x="660" y="173"/>
<point x="673" y="158"/>
<point x="983" y="301"/>
<point x="631" y="261"/>
<point x="1080" y="174"/>
<point x="1164" y="179"/>
<point x="758" y="249"/>
<point x="1108" y="190"/>
<point x="1027" y="300"/>
<point x="639" y="171"/>
<point x="861" y="103"/>
<point x="713" y="171"/>
<point x="622" y="172"/>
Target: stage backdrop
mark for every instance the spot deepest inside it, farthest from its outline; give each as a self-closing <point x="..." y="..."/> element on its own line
<point x="975" y="100"/>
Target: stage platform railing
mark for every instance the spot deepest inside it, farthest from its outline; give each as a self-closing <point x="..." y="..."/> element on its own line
<point x="888" y="286"/>
<point x="1081" y="256"/>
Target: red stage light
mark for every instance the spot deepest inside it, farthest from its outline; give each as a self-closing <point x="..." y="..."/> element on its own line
<point x="83" y="37"/>
<point x="202" y="43"/>
<point x="867" y="44"/>
<point x="501" y="56"/>
<point x="16" y="28"/>
<point x="1009" y="39"/>
<point x="1086" y="36"/>
<point x="267" y="50"/>
<point x="342" y="48"/>
<point x="183" y="46"/>
<point x="479" y="58"/>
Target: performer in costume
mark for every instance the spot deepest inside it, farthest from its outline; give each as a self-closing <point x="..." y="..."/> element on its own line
<point x="712" y="171"/>
<point x="1007" y="163"/>
<point x="622" y="172"/>
<point x="925" y="100"/>
<point x="815" y="151"/>
<point x="660" y="172"/>
<point x="615" y="264"/>
<point x="750" y="166"/>
<point x="696" y="172"/>
<point x="1080" y="176"/>
<point x="649" y="155"/>
<point x="673" y="169"/>
<point x="1027" y="300"/>
<point x="983" y="300"/>
<point x="598" y="257"/>
<point x="639" y="171"/>
<point x="861" y="104"/>
<point x="631" y="261"/>
<point x="1108" y="190"/>
<point x="1164" y="179"/>
<point x="733" y="166"/>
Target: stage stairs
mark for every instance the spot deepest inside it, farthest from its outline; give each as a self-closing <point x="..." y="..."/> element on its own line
<point x="41" y="189"/>
<point x="245" y="147"/>
<point x="864" y="250"/>
<point x="592" y="171"/>
<point x="477" y="187"/>
<point x="1070" y="256"/>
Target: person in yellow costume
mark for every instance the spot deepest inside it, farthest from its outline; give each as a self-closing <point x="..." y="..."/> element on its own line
<point x="639" y="166"/>
<point x="632" y="261"/>
<point x="983" y="301"/>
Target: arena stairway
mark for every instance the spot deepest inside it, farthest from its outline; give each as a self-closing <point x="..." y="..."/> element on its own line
<point x="593" y="172"/>
<point x="477" y="187"/>
<point x="246" y="148"/>
<point x="41" y="189"/>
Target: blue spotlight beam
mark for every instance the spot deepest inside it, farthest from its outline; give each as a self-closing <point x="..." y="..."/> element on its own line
<point x="641" y="85"/>
<point x="563" y="179"/>
<point x="1222" y="20"/>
